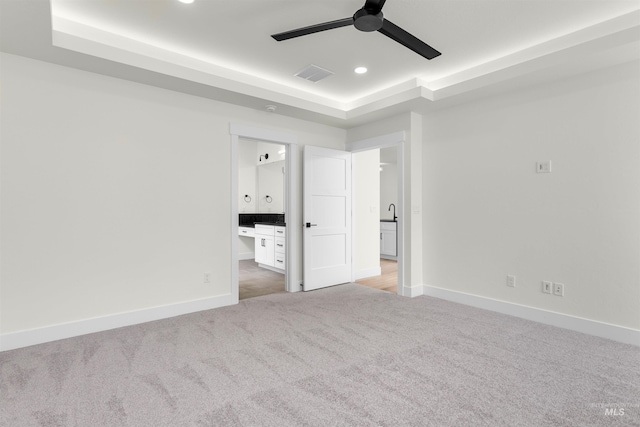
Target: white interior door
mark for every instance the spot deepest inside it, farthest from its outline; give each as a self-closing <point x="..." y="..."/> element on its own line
<point x="327" y="217"/>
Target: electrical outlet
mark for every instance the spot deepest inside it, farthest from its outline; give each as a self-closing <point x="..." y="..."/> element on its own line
<point x="207" y="277"/>
<point x="558" y="289"/>
<point x="511" y="281"/>
<point x="547" y="287"/>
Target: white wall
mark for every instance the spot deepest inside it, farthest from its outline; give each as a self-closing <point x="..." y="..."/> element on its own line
<point x="388" y="190"/>
<point x="488" y="214"/>
<point x="270" y="177"/>
<point x="366" y="213"/>
<point x="115" y="195"/>
<point x="275" y="152"/>
<point x="247" y="176"/>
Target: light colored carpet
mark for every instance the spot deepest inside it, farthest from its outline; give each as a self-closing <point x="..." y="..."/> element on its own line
<point x="343" y="356"/>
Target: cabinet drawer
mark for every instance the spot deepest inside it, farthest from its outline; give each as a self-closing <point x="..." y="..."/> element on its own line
<point x="280" y="231"/>
<point x="280" y="262"/>
<point x="246" y="231"/>
<point x="391" y="226"/>
<point x="280" y="245"/>
<point x="264" y="230"/>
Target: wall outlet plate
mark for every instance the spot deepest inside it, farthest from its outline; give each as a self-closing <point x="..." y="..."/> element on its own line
<point x="511" y="281"/>
<point x="543" y="167"/>
<point x="547" y="287"/>
<point x="558" y="289"/>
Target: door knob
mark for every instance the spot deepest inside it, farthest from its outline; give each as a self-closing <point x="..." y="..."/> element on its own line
<point x="309" y="225"/>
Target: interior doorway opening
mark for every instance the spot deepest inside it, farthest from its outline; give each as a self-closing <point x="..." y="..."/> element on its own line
<point x="378" y="212"/>
<point x="253" y="192"/>
<point x="261" y="210"/>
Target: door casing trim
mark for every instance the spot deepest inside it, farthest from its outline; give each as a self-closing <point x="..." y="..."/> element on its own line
<point x="396" y="139"/>
<point x="290" y="141"/>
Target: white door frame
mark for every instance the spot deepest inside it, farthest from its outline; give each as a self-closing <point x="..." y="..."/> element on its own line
<point x="290" y="141"/>
<point x="397" y="140"/>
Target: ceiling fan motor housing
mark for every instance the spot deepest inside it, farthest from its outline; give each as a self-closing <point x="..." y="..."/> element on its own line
<point x="367" y="21"/>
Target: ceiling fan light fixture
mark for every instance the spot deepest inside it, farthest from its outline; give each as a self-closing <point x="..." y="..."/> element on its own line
<point x="360" y="70"/>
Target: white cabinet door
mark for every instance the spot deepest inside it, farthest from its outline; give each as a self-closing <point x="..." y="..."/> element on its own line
<point x="388" y="245"/>
<point x="388" y="242"/>
<point x="264" y="250"/>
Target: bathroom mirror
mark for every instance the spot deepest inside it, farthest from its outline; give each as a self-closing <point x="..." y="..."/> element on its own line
<point x="270" y="187"/>
<point x="260" y="174"/>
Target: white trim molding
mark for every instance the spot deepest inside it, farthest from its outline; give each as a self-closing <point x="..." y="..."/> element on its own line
<point x="395" y="139"/>
<point x="60" y="331"/>
<point x="413" y="291"/>
<point x="578" y="324"/>
<point x="290" y="141"/>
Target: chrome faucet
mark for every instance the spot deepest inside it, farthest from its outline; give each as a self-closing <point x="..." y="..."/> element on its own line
<point x="394" y="212"/>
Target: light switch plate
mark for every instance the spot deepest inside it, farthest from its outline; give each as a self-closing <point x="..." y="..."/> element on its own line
<point x="543" y="167"/>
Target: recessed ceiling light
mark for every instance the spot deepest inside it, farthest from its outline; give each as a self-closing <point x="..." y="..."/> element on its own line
<point x="360" y="70"/>
<point x="186" y="1"/>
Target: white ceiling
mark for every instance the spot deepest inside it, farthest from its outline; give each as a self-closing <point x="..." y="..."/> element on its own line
<point x="223" y="49"/>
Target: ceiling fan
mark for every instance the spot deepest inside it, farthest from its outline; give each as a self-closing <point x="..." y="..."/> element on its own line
<point x="369" y="18"/>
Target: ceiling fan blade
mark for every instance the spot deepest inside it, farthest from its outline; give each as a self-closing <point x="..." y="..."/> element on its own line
<point x="396" y="33"/>
<point x="313" y="29"/>
<point x="374" y="6"/>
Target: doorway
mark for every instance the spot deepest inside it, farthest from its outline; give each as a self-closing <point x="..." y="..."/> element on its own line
<point x="380" y="196"/>
<point x="284" y="148"/>
<point x="261" y="179"/>
<point x="378" y="213"/>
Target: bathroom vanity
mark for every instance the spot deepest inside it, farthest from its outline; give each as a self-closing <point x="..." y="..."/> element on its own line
<point x="270" y="245"/>
<point x="268" y="232"/>
<point x="388" y="239"/>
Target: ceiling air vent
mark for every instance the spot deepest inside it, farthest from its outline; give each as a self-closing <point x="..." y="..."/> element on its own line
<point x="313" y="73"/>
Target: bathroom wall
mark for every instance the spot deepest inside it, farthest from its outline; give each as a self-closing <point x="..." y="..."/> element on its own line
<point x="388" y="182"/>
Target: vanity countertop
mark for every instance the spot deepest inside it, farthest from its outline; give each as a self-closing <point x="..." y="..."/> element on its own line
<point x="277" y="224"/>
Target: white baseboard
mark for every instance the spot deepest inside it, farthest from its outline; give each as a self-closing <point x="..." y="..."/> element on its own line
<point x="246" y="255"/>
<point x="413" y="291"/>
<point x="29" y="337"/>
<point x="578" y="324"/>
<point x="297" y="286"/>
<point x="369" y="272"/>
